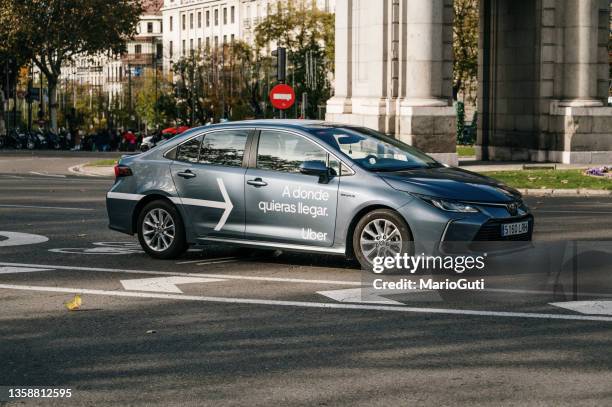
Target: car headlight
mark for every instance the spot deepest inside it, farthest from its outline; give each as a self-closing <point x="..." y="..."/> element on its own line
<point x="448" y="205"/>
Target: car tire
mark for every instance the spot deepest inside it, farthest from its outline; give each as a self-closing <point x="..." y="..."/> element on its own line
<point x="395" y="237"/>
<point x="161" y="231"/>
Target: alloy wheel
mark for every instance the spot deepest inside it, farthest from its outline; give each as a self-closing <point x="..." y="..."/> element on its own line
<point x="158" y="230"/>
<point x="380" y="238"/>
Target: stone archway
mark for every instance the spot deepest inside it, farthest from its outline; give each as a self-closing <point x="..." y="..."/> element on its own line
<point x="543" y="77"/>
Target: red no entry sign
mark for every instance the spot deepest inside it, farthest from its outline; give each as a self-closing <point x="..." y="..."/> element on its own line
<point x="282" y="96"/>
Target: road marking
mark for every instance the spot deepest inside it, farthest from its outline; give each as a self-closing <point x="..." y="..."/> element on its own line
<point x="14" y="270"/>
<point x="304" y="304"/>
<point x="172" y="273"/>
<point x="61" y="208"/>
<point x="369" y="295"/>
<point x="587" y="307"/>
<point x="21" y="239"/>
<point x="164" y="284"/>
<point x="42" y="174"/>
<point x="202" y="261"/>
<point x="575" y="212"/>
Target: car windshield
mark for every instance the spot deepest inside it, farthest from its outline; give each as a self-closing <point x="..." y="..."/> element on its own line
<point x="374" y="151"/>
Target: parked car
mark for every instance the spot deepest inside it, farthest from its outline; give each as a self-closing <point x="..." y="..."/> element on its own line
<point x="305" y="186"/>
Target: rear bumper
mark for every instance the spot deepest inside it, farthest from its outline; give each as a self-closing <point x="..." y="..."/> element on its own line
<point x="120" y="213"/>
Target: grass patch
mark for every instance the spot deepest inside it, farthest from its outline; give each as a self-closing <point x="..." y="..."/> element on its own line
<point x="109" y="162"/>
<point x="551" y="179"/>
<point x="466" y="151"/>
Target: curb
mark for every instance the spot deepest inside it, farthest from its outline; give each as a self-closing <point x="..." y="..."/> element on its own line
<point x="566" y="192"/>
<point x="82" y="170"/>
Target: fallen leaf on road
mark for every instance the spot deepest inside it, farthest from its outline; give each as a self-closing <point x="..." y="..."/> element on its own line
<point x="74" y="304"/>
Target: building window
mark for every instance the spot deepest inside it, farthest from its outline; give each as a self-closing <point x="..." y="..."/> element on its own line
<point x="184" y="48"/>
<point x="224" y="39"/>
<point x="149" y="28"/>
<point x="207" y="18"/>
<point x="159" y="51"/>
<point x="207" y="42"/>
<point x="171" y="23"/>
<point x="161" y="26"/>
<point x="216" y="41"/>
<point x="232" y="38"/>
<point x="232" y="14"/>
<point x="191" y="21"/>
<point x="137" y="49"/>
<point x="171" y="51"/>
<point x="216" y="16"/>
<point x="199" y="19"/>
<point x="184" y="22"/>
<point x="199" y="44"/>
<point x="224" y="15"/>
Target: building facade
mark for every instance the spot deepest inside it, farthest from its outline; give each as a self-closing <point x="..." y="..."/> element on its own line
<point x="543" y="76"/>
<point x="111" y="74"/>
<point x="190" y="25"/>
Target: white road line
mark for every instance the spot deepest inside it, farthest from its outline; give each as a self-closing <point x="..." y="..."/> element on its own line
<point x="171" y="273"/>
<point x="42" y="174"/>
<point x="575" y="212"/>
<point x="206" y="260"/>
<point x="305" y="304"/>
<point x="59" y="208"/>
<point x="216" y="262"/>
<point x="15" y="270"/>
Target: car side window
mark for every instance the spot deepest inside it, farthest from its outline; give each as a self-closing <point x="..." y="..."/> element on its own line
<point x="224" y="148"/>
<point x="281" y="151"/>
<point x="189" y="150"/>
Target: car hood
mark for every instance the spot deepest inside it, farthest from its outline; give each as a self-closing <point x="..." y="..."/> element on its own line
<point x="451" y="183"/>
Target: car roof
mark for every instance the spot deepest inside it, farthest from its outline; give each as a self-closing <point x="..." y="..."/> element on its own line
<point x="280" y="123"/>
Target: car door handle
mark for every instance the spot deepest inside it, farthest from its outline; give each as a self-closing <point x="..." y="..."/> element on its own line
<point x="257" y="182"/>
<point x="186" y="174"/>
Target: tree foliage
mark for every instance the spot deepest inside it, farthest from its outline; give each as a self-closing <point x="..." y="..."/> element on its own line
<point x="308" y="35"/>
<point x="465" y="45"/>
<point x="216" y="82"/>
<point x="54" y="32"/>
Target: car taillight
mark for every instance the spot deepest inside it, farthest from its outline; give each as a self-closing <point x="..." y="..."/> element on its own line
<point x="122" y="171"/>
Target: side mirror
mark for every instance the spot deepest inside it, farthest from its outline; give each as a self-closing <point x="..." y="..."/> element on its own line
<point x="316" y="168"/>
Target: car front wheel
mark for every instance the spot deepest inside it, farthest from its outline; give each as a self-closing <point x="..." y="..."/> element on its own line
<point x="380" y="233"/>
<point x="161" y="231"/>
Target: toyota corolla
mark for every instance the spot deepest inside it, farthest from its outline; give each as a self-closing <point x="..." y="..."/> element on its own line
<point x="306" y="186"/>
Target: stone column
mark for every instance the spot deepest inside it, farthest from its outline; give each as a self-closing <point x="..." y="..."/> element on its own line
<point x="426" y="117"/>
<point x="580" y="75"/>
<point x="340" y="104"/>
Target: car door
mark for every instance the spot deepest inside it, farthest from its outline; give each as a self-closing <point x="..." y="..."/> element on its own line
<point x="209" y="177"/>
<point x="282" y="203"/>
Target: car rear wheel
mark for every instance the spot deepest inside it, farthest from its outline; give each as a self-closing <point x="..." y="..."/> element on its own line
<point x="380" y="233"/>
<point x="161" y="231"/>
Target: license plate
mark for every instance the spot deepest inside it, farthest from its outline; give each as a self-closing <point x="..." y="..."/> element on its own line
<point x="513" y="229"/>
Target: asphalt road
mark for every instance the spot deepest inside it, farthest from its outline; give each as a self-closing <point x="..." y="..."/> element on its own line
<point x="252" y="328"/>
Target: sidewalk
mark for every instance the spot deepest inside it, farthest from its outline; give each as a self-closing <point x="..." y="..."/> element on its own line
<point x="490" y="166"/>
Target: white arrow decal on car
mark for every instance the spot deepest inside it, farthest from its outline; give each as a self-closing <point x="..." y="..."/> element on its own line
<point x="163" y="284"/>
<point x="226" y="204"/>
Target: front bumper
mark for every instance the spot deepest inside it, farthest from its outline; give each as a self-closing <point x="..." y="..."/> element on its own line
<point x="438" y="231"/>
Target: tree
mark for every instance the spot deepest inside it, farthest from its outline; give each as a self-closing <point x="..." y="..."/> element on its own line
<point x="308" y="35"/>
<point x="54" y="32"/>
<point x="465" y="47"/>
<point x="216" y="82"/>
<point x="151" y="99"/>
